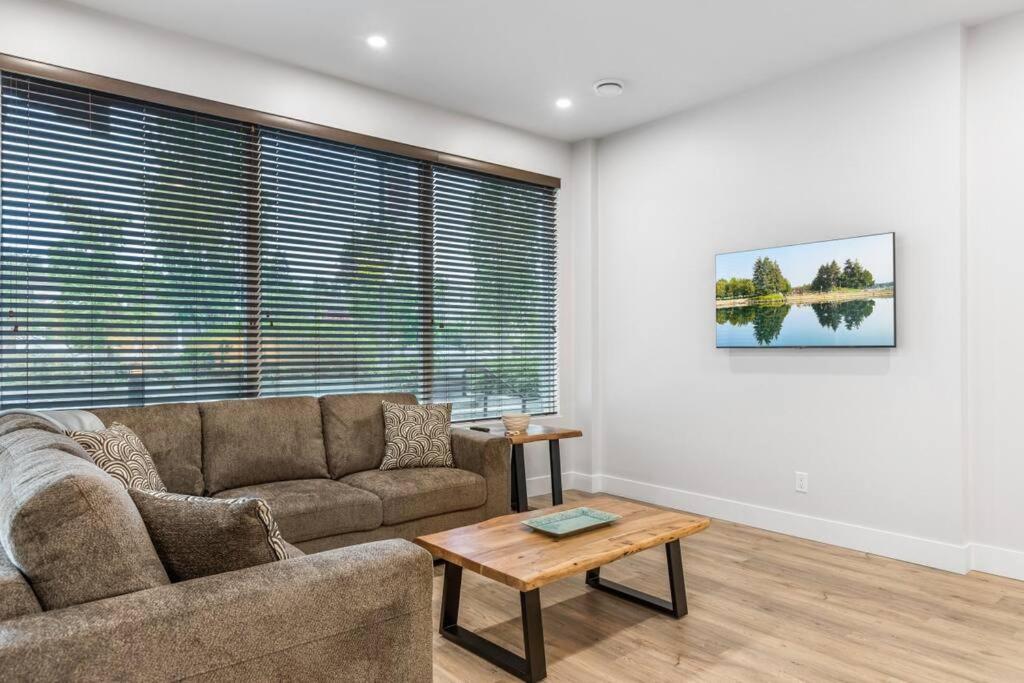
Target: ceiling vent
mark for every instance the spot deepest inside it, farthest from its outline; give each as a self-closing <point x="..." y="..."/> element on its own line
<point x="609" y="87"/>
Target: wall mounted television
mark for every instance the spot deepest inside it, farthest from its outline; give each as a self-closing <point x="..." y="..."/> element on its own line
<point x="834" y="294"/>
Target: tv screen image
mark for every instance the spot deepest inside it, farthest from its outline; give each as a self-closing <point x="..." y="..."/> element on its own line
<point x="836" y="293"/>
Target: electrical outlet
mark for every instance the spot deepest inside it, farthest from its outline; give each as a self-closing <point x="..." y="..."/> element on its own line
<point x="801" y="482"/>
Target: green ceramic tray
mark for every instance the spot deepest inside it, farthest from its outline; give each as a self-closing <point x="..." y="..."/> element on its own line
<point x="569" y="522"/>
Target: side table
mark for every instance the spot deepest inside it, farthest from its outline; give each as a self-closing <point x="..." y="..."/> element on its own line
<point x="535" y="433"/>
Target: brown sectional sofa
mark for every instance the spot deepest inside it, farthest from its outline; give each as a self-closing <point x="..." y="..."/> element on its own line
<point x="348" y="613"/>
<point x="316" y="463"/>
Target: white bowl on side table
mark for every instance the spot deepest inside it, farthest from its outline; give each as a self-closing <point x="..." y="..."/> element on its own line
<point x="515" y="423"/>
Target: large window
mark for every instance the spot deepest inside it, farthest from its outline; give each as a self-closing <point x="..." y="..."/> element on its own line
<point x="152" y="254"/>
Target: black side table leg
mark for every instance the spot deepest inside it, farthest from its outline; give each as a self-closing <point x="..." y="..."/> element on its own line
<point x="519" y="498"/>
<point x="556" y="472"/>
<point x="512" y="480"/>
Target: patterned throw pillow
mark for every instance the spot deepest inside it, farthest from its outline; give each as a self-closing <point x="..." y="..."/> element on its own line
<point x="120" y="453"/>
<point x="197" y="536"/>
<point x="417" y="436"/>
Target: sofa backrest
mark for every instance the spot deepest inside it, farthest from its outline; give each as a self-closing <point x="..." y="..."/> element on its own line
<point x="173" y="435"/>
<point x="68" y="527"/>
<point x="210" y="447"/>
<point x="255" y="441"/>
<point x="354" y="430"/>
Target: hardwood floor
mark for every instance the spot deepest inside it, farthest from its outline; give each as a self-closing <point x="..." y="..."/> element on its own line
<point x="763" y="606"/>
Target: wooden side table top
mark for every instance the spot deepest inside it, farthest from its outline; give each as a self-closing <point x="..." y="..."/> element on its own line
<point x="504" y="550"/>
<point x="536" y="433"/>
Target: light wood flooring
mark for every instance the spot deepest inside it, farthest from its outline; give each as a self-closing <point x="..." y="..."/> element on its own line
<point x="762" y="606"/>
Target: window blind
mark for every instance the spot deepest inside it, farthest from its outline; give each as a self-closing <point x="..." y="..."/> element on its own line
<point x="345" y="269"/>
<point x="151" y="254"/>
<point x="494" y="294"/>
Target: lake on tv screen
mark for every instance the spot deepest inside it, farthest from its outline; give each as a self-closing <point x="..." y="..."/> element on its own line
<point x="837" y="293"/>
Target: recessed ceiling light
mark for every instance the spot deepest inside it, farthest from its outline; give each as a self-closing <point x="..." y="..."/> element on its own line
<point x="377" y="42"/>
<point x="563" y="103"/>
<point x="609" y="87"/>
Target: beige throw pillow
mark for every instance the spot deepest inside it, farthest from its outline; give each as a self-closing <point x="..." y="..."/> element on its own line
<point x="196" y="536"/>
<point x="121" y="454"/>
<point x="417" y="435"/>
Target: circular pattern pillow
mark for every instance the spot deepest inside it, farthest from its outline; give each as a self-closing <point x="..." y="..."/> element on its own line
<point x="121" y="454"/>
<point x="417" y="436"/>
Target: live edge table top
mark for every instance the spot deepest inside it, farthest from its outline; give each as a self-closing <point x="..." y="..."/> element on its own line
<point x="536" y="433"/>
<point x="505" y="550"/>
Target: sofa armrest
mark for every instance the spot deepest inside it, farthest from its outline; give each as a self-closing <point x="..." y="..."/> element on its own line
<point x="488" y="456"/>
<point x="360" y="613"/>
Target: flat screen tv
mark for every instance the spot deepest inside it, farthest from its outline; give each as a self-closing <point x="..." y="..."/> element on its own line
<point x="832" y="294"/>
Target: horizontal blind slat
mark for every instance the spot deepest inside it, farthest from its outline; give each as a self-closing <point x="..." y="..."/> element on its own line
<point x="152" y="254"/>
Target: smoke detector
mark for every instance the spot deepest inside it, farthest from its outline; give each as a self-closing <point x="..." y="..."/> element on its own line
<point x="609" y="87"/>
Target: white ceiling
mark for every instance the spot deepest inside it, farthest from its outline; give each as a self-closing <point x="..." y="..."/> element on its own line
<point x="509" y="60"/>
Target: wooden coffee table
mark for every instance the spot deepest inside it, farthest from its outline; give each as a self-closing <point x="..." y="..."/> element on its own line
<point x="504" y="550"/>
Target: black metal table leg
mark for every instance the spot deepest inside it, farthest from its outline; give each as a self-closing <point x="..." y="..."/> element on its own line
<point x="556" y="472"/>
<point x="533" y="635"/>
<point x="512" y="481"/>
<point x="532" y="667"/>
<point x="451" y="591"/>
<point x="520" y="503"/>
<point x="676" y="608"/>
<point x="676" y="582"/>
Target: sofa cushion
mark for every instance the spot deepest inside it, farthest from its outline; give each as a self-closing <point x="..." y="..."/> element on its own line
<point x="423" y="492"/>
<point x="291" y="551"/>
<point x="173" y="436"/>
<point x="407" y="530"/>
<point x="120" y="453"/>
<point x="255" y="441"/>
<point x="314" y="508"/>
<point x="16" y="596"/>
<point x="196" y="536"/>
<point x="354" y="430"/>
<point x="70" y="528"/>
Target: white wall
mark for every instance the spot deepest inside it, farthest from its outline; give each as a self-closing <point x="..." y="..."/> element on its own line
<point x="870" y="144"/>
<point x="995" y="242"/>
<point x="584" y="285"/>
<point x="923" y="460"/>
<point x="74" y="37"/>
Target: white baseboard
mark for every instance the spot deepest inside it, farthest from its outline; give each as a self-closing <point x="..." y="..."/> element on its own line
<point x="924" y="551"/>
<point x="541" y="486"/>
<point x="999" y="561"/>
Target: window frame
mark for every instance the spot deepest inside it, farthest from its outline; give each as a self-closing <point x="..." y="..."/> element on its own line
<point x="426" y="159"/>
